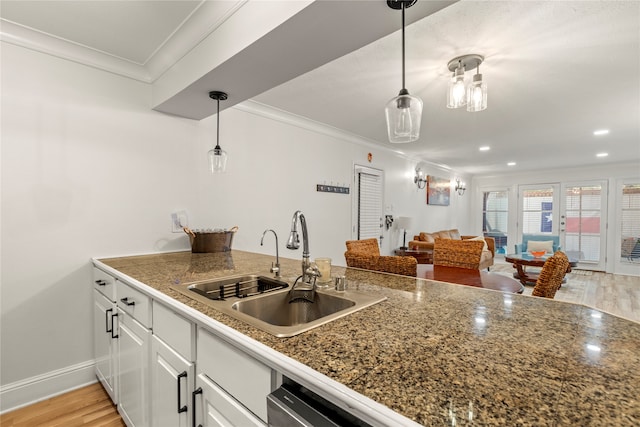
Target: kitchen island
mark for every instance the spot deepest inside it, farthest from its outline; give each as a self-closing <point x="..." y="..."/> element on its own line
<point x="438" y="353"/>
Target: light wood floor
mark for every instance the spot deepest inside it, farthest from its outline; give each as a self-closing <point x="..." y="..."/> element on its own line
<point x="611" y="293"/>
<point x="87" y="406"/>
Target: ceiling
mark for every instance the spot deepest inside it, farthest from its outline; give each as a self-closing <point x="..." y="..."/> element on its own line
<point x="556" y="71"/>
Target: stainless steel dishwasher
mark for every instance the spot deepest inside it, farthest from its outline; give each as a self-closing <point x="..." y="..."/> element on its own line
<point x="293" y="405"/>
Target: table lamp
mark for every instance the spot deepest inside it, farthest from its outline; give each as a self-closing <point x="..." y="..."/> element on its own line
<point x="403" y="222"/>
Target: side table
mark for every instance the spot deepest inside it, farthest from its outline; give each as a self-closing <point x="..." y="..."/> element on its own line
<point x="520" y="261"/>
<point x="423" y="256"/>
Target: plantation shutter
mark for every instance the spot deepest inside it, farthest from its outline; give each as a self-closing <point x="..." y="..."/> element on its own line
<point x="369" y="206"/>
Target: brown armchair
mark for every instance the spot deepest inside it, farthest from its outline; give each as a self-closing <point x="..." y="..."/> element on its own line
<point x="426" y="241"/>
<point x="365" y="254"/>
<point x="458" y="253"/>
<point x="551" y="275"/>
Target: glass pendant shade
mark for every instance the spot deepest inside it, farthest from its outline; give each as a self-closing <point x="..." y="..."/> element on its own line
<point x="404" y="113"/>
<point x="217" y="160"/>
<point x="477" y="94"/>
<point x="456" y="93"/>
<point x="456" y="96"/>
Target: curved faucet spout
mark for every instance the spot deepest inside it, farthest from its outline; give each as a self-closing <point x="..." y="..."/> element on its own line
<point x="294" y="240"/>
<point x="274" y="268"/>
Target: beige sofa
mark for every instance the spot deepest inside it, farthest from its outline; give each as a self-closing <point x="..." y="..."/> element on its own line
<point x="425" y="241"/>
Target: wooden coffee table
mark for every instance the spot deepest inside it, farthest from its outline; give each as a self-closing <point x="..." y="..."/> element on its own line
<point x="468" y="277"/>
<point x="423" y="256"/>
<point x="521" y="261"/>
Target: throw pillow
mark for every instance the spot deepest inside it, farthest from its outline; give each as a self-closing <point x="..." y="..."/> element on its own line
<point x="455" y="234"/>
<point x="444" y="234"/>
<point x="485" y="247"/>
<point x="426" y="237"/>
<point x="540" y="245"/>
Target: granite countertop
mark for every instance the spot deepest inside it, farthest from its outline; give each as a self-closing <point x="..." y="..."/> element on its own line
<point x="445" y="354"/>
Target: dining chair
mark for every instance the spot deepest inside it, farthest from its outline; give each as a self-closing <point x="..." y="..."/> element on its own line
<point x="551" y="275"/>
<point x="365" y="254"/>
<point x="458" y="253"/>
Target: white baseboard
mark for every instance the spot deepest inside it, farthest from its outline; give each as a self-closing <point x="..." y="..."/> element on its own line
<point x="41" y="387"/>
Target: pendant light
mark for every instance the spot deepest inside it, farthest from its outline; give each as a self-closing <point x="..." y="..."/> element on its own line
<point x="474" y="95"/>
<point x="477" y="93"/>
<point x="404" y="112"/>
<point x="217" y="156"/>
<point x="457" y="93"/>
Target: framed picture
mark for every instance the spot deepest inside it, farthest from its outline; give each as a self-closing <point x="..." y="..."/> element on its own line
<point x="438" y="191"/>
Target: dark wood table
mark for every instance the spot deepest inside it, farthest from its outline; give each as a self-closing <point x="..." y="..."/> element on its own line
<point x="521" y="261"/>
<point x="468" y="277"/>
<point x="423" y="256"/>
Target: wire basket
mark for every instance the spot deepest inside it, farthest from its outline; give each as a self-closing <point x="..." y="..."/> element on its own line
<point x="208" y="241"/>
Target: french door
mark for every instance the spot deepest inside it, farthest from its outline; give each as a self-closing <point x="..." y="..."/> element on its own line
<point x="574" y="211"/>
<point x="583" y="223"/>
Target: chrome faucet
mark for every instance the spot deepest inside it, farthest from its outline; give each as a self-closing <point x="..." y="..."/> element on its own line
<point x="309" y="272"/>
<point x="274" y="268"/>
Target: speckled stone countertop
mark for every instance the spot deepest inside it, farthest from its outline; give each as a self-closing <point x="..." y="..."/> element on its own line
<point x="444" y="354"/>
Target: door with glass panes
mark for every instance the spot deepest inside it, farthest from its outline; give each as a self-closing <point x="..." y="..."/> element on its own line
<point x="583" y="223"/>
<point x="574" y="211"/>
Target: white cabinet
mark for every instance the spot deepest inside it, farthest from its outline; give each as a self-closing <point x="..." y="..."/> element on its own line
<point x="134" y="340"/>
<point x="216" y="408"/>
<point x="163" y="371"/>
<point x="172" y="368"/>
<point x="104" y="343"/>
<point x="237" y="378"/>
<point x="104" y="283"/>
<point x="172" y="380"/>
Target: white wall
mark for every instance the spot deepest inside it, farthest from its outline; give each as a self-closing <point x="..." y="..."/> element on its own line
<point x="614" y="175"/>
<point x="89" y="170"/>
<point x="273" y="169"/>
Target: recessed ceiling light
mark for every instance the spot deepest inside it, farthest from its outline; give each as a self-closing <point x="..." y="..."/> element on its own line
<point x="485" y="148"/>
<point x="511" y="164"/>
<point x="602" y="154"/>
<point x="600" y="132"/>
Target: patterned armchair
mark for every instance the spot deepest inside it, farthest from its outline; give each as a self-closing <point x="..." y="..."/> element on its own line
<point x="551" y="276"/>
<point x="458" y="253"/>
<point x="365" y="254"/>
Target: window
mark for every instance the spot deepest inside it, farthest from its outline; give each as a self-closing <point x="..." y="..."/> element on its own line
<point x="495" y="207"/>
<point x="630" y="223"/>
<point x="537" y="211"/>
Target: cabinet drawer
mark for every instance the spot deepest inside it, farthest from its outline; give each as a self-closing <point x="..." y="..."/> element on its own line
<point x="104" y="283"/>
<point x="174" y="330"/>
<point x="246" y="379"/>
<point x="134" y="303"/>
<point x="218" y="405"/>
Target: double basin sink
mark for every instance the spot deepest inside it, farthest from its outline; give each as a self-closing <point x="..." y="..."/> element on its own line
<point x="264" y="303"/>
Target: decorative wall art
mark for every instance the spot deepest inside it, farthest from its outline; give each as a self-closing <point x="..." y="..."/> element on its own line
<point x="438" y="191"/>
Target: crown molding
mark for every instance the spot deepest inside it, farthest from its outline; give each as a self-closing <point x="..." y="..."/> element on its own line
<point x="28" y="38"/>
<point x="204" y="20"/>
<point x="276" y="114"/>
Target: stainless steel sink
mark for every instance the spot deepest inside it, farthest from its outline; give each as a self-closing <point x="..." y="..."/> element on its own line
<point x="269" y="310"/>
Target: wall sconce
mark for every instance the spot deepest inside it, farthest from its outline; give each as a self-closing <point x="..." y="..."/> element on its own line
<point x="476" y="92"/>
<point x="420" y="179"/>
<point x="460" y="187"/>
